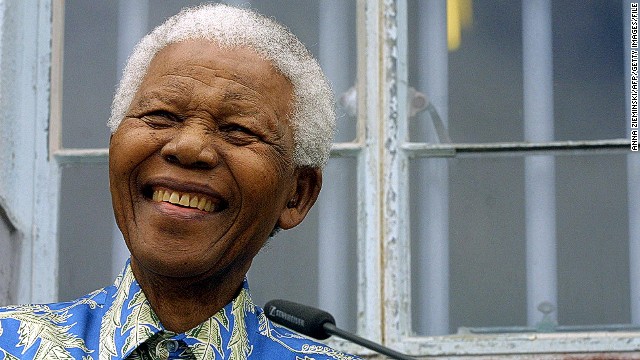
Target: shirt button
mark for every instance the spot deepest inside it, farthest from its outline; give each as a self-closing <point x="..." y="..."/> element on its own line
<point x="165" y="347"/>
<point x="171" y="345"/>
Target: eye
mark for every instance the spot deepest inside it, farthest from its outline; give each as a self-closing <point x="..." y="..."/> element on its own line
<point x="238" y="134"/>
<point x="235" y="128"/>
<point x="160" y="119"/>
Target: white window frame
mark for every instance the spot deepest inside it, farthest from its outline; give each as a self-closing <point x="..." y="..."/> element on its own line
<point x="29" y="181"/>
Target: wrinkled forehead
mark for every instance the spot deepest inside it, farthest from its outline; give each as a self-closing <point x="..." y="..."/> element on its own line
<point x="237" y="74"/>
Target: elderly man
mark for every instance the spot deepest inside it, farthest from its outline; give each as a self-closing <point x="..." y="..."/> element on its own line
<point x="220" y="128"/>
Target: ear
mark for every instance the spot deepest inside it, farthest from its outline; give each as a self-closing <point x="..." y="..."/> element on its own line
<point x="308" y="184"/>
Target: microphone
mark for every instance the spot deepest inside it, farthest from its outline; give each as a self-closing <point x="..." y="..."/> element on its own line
<point x="319" y="325"/>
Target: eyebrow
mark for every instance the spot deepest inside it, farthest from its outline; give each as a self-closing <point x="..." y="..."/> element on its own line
<point x="151" y="98"/>
<point x="175" y="92"/>
<point x="235" y="96"/>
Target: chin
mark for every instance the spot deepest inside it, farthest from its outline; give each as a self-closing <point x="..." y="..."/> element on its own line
<point x="173" y="267"/>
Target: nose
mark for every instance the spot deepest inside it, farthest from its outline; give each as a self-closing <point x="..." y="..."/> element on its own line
<point x="191" y="146"/>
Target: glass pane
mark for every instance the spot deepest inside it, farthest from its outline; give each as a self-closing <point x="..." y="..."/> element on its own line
<point x="85" y="231"/>
<point x="90" y="72"/>
<point x="474" y="211"/>
<point x="91" y="69"/>
<point x="588" y="61"/>
<point x="476" y="86"/>
<point x="316" y="262"/>
<point x="593" y="240"/>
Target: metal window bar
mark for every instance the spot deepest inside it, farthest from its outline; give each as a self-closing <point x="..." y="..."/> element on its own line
<point x="431" y="237"/>
<point x="334" y="224"/>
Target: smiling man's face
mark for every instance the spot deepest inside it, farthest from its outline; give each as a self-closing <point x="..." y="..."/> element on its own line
<point x="201" y="167"/>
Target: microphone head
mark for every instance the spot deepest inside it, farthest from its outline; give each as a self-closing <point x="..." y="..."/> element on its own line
<point x="304" y="319"/>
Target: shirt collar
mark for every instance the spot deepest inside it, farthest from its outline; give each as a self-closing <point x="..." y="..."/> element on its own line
<point x="130" y="322"/>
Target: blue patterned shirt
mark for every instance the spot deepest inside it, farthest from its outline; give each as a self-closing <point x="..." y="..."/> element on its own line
<point x="117" y="322"/>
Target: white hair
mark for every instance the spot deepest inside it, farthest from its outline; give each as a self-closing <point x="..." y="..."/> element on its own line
<point x="312" y="118"/>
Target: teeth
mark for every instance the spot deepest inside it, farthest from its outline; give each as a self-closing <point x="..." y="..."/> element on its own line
<point x="202" y="203"/>
<point x="187" y="200"/>
<point x="194" y="202"/>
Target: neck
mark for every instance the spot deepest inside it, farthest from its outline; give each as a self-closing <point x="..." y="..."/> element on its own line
<point x="182" y="303"/>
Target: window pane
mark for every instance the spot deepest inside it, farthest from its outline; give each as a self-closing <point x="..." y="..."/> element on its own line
<point x="481" y="221"/>
<point x="90" y="72"/>
<point x="588" y="65"/>
<point x="91" y="69"/>
<point x="593" y="240"/>
<point x="316" y="262"/>
<point x="477" y="87"/>
<point x="86" y="228"/>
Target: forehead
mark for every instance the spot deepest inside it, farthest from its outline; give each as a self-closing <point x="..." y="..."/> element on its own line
<point x="239" y="70"/>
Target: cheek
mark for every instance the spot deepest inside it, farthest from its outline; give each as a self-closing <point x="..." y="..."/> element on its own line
<point x="129" y="146"/>
<point x="265" y="177"/>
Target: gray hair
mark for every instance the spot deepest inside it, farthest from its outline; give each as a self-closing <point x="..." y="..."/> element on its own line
<point x="313" y="117"/>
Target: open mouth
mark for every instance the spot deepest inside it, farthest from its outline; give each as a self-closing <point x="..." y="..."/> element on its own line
<point x="191" y="200"/>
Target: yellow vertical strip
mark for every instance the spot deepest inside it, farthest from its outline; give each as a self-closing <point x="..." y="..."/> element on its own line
<point x="453" y="24"/>
<point x="459" y="17"/>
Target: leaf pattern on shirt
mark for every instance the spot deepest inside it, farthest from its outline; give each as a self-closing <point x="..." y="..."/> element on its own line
<point x="209" y="336"/>
<point x="270" y="330"/>
<point x="239" y="342"/>
<point x="112" y="318"/>
<point x="48" y="350"/>
<point x="40" y="322"/>
<point x="139" y="322"/>
<point x="87" y="300"/>
<point x="265" y="328"/>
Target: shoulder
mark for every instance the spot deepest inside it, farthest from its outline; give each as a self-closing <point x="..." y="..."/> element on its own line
<point x="277" y="342"/>
<point x="55" y="327"/>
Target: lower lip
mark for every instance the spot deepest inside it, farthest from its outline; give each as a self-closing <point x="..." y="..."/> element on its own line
<point x="173" y="210"/>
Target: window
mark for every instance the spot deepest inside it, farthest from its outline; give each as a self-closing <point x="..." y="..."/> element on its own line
<point x="481" y="198"/>
<point x="514" y="231"/>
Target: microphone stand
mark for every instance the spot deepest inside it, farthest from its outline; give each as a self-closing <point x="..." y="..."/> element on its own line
<point x="333" y="330"/>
